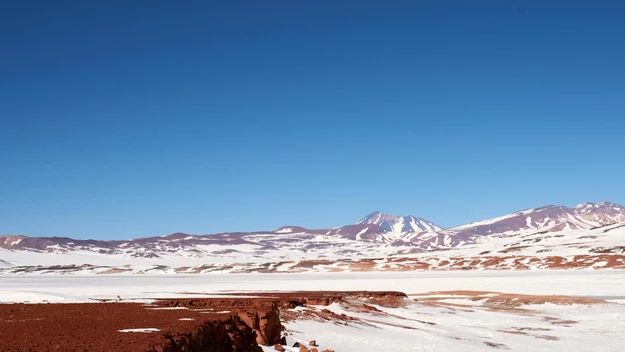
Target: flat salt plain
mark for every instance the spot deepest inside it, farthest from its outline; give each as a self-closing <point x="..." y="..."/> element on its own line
<point x="473" y="327"/>
<point x="608" y="284"/>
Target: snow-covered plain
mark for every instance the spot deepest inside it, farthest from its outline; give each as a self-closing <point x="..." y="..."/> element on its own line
<point x="605" y="283"/>
<point x="424" y="327"/>
<point x="599" y="327"/>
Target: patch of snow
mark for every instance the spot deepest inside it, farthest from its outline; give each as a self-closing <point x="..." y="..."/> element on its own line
<point x="144" y="330"/>
<point x="284" y="230"/>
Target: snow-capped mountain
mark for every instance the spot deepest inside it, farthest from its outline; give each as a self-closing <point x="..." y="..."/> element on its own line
<point x="399" y="224"/>
<point x="548" y="218"/>
<point x="356" y="232"/>
<point x="377" y="235"/>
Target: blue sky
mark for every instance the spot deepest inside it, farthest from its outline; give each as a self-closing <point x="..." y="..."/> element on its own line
<point x="124" y="119"/>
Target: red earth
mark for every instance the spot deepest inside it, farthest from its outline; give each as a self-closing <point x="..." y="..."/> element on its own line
<point x="234" y="323"/>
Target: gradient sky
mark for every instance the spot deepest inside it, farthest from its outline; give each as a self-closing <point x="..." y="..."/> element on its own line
<point x="123" y="119"/>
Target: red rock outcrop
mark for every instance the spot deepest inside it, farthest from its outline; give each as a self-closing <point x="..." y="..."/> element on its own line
<point x="226" y="324"/>
<point x="261" y="314"/>
<point x="99" y="327"/>
<point x="231" y="335"/>
<point x="266" y="324"/>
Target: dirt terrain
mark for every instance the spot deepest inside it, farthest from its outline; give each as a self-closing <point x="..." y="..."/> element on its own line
<point x="96" y="327"/>
<point x="498" y="301"/>
<point x="508" y="259"/>
<point x="231" y="323"/>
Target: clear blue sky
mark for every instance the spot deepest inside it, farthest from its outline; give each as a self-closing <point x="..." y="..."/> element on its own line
<point x="123" y="119"/>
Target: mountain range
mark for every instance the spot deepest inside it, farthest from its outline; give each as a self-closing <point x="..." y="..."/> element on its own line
<point x="376" y="229"/>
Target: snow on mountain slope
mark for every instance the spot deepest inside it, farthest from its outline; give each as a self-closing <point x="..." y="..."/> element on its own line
<point x="599" y="248"/>
<point x="608" y="239"/>
<point x="587" y="229"/>
<point x="399" y="224"/>
<point x="549" y="218"/>
<point x="366" y="232"/>
<point x="544" y="219"/>
<point x="180" y="250"/>
<point x="10" y="241"/>
<point x="403" y="228"/>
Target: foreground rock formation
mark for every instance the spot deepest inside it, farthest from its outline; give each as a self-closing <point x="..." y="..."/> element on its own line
<point x="311" y="321"/>
<point x="235" y="323"/>
<point x="96" y="327"/>
<point x="259" y="316"/>
<point x="230" y="335"/>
